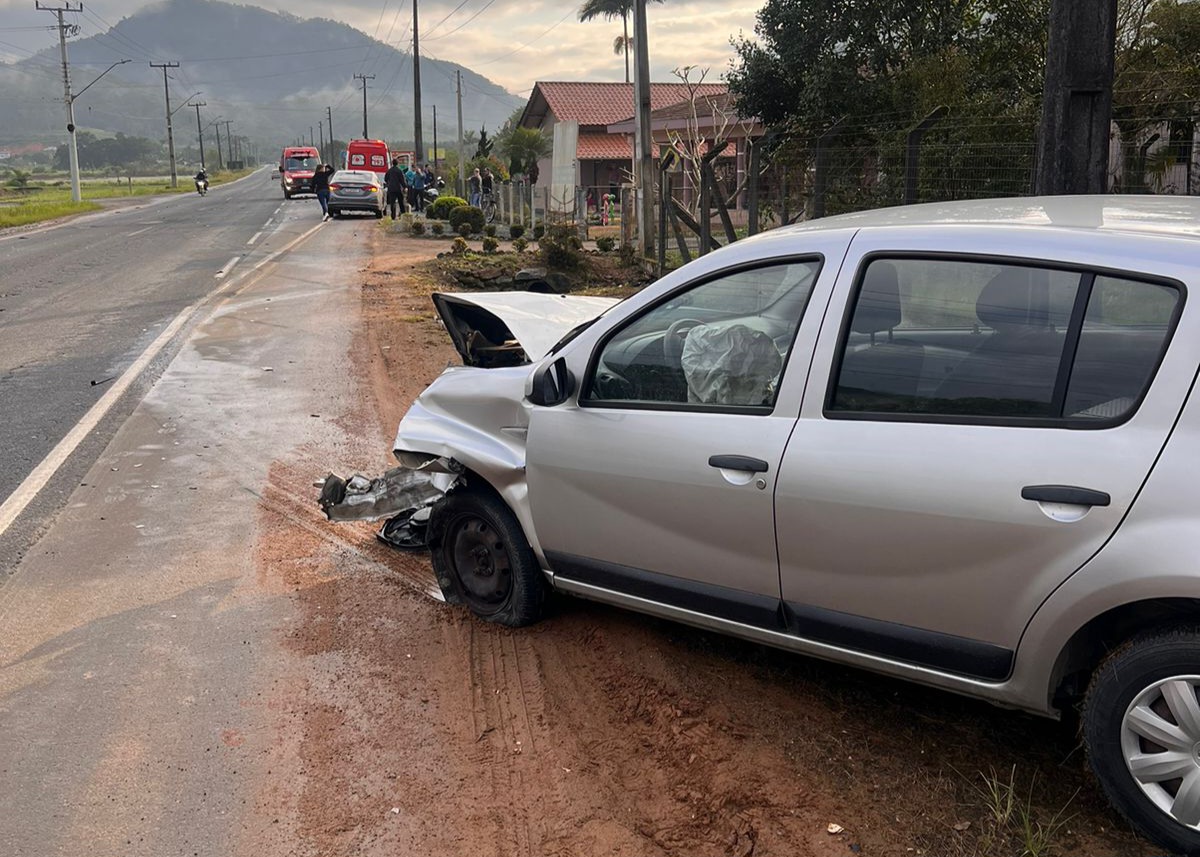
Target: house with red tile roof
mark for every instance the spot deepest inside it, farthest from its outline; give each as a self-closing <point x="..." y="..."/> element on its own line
<point x="603" y="157"/>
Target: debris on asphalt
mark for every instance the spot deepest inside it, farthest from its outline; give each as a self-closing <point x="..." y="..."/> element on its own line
<point x="834" y="829"/>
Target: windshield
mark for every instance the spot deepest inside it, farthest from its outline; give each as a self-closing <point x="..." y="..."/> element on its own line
<point x="305" y="163"/>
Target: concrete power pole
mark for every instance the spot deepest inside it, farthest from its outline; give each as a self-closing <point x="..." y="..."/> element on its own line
<point x="321" y="136"/>
<point x="417" y="143"/>
<point x="1072" y="153"/>
<point x="364" y="78"/>
<point x="170" y="136"/>
<point x="329" y="116"/>
<point x="462" y="158"/>
<point x="228" y="140"/>
<point x="643" y="155"/>
<point x="72" y="151"/>
<point x="435" y="149"/>
<point x="200" y="130"/>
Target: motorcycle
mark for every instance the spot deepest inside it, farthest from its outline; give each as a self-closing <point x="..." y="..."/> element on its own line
<point x="430" y="194"/>
<point x="202" y="186"/>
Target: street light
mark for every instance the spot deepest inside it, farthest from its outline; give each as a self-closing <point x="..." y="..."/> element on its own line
<point x="76" y="195"/>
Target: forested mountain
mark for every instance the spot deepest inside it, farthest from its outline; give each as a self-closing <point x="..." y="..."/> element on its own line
<point x="271" y="74"/>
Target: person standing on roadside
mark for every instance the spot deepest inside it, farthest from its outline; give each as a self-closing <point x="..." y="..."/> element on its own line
<point x="320" y="185"/>
<point x="474" y="183"/>
<point x="417" y="184"/>
<point x="487" y="185"/>
<point x="397" y="186"/>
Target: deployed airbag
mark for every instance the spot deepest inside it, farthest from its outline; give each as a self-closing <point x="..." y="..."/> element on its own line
<point x="730" y="365"/>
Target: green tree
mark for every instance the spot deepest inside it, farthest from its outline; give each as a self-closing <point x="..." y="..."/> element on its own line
<point x="608" y="10"/>
<point x="523" y="147"/>
<point x="484" y="147"/>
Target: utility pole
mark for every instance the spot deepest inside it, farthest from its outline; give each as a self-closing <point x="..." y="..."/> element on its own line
<point x="200" y="130"/>
<point x="643" y="157"/>
<point x="364" y="78"/>
<point x="462" y="160"/>
<point x="435" y="148"/>
<point x="1072" y="153"/>
<point x="72" y="151"/>
<point x="417" y="87"/>
<point x="217" y="123"/>
<point x="228" y="140"/>
<point x="321" y="129"/>
<point x="329" y="116"/>
<point x="170" y="136"/>
<point x="311" y="141"/>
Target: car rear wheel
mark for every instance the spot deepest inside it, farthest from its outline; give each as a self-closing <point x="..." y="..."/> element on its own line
<point x="481" y="558"/>
<point x="1141" y="726"/>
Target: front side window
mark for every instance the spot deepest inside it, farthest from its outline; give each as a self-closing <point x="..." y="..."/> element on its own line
<point x="961" y="338"/>
<point x="722" y="343"/>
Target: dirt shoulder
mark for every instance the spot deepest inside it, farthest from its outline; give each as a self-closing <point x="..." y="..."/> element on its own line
<point x="602" y="732"/>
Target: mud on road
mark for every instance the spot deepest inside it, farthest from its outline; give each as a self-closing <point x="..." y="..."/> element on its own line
<point x="411" y="728"/>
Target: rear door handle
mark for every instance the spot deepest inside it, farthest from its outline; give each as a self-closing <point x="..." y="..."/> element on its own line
<point x="738" y="462"/>
<point x="1068" y="494"/>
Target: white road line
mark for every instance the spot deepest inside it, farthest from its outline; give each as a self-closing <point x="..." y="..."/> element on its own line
<point x="253" y="238"/>
<point x="44" y="472"/>
<point x="228" y="267"/>
<point x="139" y="232"/>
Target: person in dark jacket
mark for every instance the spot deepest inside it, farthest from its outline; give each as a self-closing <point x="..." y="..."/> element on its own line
<point x="397" y="187"/>
<point x="320" y="186"/>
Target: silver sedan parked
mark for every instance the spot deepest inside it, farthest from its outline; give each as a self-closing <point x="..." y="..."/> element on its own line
<point x="955" y="443"/>
<point x="355" y="190"/>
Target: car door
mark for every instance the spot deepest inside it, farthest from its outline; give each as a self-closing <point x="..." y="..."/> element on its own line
<point x="981" y="425"/>
<point x="656" y="480"/>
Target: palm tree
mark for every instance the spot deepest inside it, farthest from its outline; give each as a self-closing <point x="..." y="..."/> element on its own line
<point x="609" y="9"/>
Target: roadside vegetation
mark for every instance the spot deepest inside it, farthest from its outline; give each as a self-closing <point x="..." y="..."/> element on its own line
<point x="26" y="198"/>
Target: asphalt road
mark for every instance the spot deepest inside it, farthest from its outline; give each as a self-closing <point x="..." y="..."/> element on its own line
<point x="79" y="302"/>
<point x="144" y="642"/>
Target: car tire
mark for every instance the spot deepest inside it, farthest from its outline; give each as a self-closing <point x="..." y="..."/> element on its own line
<point x="483" y="560"/>
<point x="1149" y="685"/>
<point x="286" y="195"/>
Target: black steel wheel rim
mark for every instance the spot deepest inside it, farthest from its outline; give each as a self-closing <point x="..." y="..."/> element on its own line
<point x="479" y="556"/>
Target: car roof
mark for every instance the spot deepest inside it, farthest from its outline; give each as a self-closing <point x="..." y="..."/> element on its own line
<point x="1159" y="215"/>
<point x="365" y="175"/>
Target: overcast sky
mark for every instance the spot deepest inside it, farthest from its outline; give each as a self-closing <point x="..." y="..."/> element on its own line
<point x="691" y="32"/>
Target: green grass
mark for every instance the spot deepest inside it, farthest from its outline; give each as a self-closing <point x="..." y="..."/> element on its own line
<point x="37" y="210"/>
<point x="52" y="200"/>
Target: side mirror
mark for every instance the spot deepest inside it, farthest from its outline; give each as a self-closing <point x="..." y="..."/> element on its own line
<point x="552" y="384"/>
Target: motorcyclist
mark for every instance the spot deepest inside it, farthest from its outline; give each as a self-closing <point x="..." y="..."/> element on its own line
<point x="202" y="180"/>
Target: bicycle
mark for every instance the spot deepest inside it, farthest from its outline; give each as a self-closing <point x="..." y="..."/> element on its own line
<point x="487" y="204"/>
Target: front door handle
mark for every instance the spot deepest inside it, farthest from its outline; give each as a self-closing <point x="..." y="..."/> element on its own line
<point x="738" y="462"/>
<point x="1068" y="494"/>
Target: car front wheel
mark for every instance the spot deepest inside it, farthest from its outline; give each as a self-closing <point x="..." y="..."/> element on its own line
<point x="1141" y="725"/>
<point x="482" y="559"/>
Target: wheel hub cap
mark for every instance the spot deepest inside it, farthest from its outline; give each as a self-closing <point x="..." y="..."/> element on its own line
<point x="1160" y="739"/>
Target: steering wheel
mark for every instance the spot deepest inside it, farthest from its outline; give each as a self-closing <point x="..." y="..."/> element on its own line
<point x="673" y="339"/>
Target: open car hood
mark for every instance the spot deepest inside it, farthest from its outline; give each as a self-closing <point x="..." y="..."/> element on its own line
<point x="492" y="329"/>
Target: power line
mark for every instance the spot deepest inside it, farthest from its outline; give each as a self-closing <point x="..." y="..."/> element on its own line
<point x="447" y="15"/>
<point x="544" y="33"/>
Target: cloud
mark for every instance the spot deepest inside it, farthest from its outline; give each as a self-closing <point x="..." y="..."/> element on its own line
<point x="694" y="33"/>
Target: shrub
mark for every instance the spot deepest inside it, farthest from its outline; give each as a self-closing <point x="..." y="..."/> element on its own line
<point x="560" y="246"/>
<point x="490" y="230"/>
<point x="539" y="231"/>
<point x="467" y="214"/>
<point x="519" y="244"/>
<point x="436" y="228"/>
<point x="417" y="228"/>
<point x="606" y="243"/>
<point x="490" y="245"/>
<point x="459" y="246"/>
<point x="516" y="231"/>
<point x="464" y="229"/>
<point x="441" y="207"/>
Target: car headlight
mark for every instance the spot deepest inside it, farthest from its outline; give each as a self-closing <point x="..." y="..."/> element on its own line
<point x="287" y="179"/>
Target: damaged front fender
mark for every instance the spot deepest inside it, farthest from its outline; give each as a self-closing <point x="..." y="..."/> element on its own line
<point x="417" y="483"/>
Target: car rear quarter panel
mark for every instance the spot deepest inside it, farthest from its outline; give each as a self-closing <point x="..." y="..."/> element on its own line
<point x="1155" y="552"/>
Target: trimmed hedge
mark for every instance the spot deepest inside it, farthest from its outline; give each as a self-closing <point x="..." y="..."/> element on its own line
<point x="441" y="207"/>
<point x="466" y="214"/>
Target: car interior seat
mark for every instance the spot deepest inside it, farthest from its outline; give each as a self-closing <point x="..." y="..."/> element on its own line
<point x="1014" y="369"/>
<point x="884" y="371"/>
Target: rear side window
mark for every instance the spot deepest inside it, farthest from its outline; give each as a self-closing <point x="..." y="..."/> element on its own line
<point x="962" y="339"/>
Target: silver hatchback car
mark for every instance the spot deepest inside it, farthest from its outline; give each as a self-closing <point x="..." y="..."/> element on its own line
<point x="954" y="443"/>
